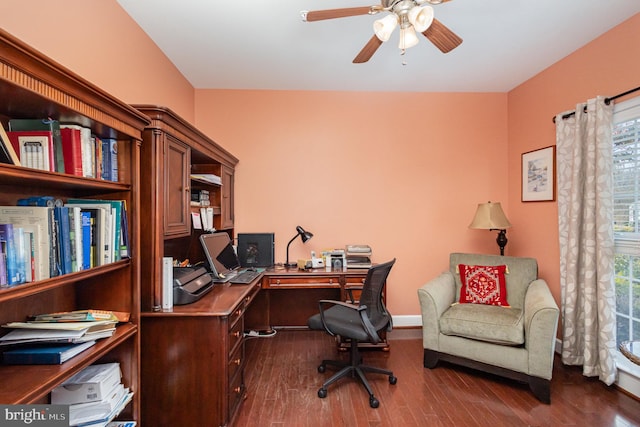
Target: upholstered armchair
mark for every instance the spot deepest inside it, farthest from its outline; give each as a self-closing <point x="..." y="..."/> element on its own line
<point x="503" y="320"/>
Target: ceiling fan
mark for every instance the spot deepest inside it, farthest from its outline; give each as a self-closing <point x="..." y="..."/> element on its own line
<point x="410" y="15"/>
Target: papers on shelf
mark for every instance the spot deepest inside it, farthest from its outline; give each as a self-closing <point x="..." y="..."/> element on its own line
<point x="68" y="332"/>
<point x="207" y="178"/>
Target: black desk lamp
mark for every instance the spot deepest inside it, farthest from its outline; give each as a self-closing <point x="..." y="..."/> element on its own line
<point x="490" y="216"/>
<point x="304" y="235"/>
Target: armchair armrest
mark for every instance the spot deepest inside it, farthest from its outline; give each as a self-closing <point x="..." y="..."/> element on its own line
<point x="435" y="297"/>
<point x="540" y="325"/>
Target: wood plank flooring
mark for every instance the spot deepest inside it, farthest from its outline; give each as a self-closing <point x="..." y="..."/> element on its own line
<point x="282" y="382"/>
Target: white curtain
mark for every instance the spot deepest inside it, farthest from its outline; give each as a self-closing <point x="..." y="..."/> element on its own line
<point x="585" y="216"/>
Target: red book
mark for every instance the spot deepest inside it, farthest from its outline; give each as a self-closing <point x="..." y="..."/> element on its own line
<point x="72" y="151"/>
<point x="34" y="147"/>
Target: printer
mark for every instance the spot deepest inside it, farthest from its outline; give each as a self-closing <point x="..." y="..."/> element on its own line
<point x="190" y="284"/>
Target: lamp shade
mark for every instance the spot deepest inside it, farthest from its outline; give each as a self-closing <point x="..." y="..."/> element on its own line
<point x="490" y="216"/>
<point x="304" y="235"/>
<point x="384" y="27"/>
<point x="408" y="37"/>
<point x="421" y="17"/>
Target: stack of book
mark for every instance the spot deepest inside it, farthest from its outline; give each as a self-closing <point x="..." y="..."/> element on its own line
<point x="44" y="237"/>
<point x="95" y="395"/>
<point x="57" y="337"/>
<point x="358" y="256"/>
<point x="200" y="198"/>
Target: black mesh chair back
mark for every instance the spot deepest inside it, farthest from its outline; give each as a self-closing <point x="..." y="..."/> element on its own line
<point x="371" y="295"/>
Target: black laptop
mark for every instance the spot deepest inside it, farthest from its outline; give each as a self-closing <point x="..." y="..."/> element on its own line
<point x="223" y="260"/>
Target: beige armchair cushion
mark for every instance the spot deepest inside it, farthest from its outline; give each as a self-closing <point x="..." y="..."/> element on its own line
<point x="490" y="323"/>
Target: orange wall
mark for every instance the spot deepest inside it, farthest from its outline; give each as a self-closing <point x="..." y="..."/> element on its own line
<point x="402" y="172"/>
<point x="399" y="171"/>
<point x="100" y="42"/>
<point x="607" y="66"/>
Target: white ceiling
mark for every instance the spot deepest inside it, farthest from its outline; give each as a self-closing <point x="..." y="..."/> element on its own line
<point x="264" y="44"/>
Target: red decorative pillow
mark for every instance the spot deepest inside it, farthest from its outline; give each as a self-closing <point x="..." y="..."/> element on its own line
<point x="483" y="284"/>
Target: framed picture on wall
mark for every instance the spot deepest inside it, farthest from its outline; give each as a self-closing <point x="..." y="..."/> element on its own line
<point x="539" y="175"/>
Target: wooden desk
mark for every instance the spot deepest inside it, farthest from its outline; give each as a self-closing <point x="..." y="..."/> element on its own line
<point x="193" y="360"/>
<point x="290" y="296"/>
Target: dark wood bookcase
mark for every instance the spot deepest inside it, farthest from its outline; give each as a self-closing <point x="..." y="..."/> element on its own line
<point x="34" y="86"/>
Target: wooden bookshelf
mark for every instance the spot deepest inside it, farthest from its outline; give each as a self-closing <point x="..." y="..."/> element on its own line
<point x="34" y="86"/>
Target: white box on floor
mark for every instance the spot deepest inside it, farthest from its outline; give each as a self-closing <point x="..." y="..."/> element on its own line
<point x="94" y="383"/>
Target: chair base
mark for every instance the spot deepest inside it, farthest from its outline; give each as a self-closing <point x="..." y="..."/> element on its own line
<point x="355" y="369"/>
<point x="540" y="387"/>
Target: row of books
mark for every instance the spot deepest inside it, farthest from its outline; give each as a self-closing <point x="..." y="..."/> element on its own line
<point x="57" y="147"/>
<point x="47" y="238"/>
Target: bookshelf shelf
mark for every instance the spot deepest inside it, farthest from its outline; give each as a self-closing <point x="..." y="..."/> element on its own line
<point x="33" y="288"/>
<point x="33" y="86"/>
<point x="24" y="384"/>
<point x="10" y="176"/>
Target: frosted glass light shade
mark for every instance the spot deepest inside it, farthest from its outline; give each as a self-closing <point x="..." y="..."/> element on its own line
<point x="421" y="17"/>
<point x="384" y="27"/>
<point x="408" y="37"/>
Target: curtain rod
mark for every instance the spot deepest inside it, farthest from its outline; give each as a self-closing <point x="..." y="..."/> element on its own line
<point x="606" y="101"/>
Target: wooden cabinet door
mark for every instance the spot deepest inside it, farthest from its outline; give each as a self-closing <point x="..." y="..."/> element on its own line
<point x="177" y="221"/>
<point x="226" y="204"/>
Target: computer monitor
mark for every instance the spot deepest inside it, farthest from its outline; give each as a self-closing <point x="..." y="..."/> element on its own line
<point x="220" y="254"/>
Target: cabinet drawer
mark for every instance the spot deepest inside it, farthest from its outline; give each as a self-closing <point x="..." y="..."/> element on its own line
<point x="236" y="336"/>
<point x="303" y="282"/>
<point x="236" y="314"/>
<point x="236" y="393"/>
<point x="236" y="362"/>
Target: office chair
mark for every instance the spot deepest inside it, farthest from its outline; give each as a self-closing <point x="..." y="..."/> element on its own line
<point x="359" y="323"/>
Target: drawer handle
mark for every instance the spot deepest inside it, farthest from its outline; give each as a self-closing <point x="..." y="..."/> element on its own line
<point x="236" y="334"/>
<point x="277" y="281"/>
<point x="330" y="281"/>
<point x="237" y="390"/>
<point x="238" y="312"/>
<point x="247" y="299"/>
<point x="237" y="361"/>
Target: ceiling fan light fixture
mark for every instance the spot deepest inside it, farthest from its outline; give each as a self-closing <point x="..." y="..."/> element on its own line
<point x="421" y="17"/>
<point x="408" y="38"/>
<point x="384" y="27"/>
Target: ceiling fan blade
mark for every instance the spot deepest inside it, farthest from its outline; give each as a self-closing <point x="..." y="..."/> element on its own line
<point x="319" y="15"/>
<point x="441" y="36"/>
<point x="368" y="50"/>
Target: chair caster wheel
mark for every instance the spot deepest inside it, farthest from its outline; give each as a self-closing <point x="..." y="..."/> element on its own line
<point x="322" y="393"/>
<point x="321" y="369"/>
<point x="393" y="380"/>
<point x="373" y="402"/>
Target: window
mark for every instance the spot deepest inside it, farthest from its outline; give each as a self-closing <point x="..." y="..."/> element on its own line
<point x="626" y="222"/>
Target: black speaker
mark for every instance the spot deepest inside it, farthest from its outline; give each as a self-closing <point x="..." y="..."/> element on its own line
<point x="256" y="249"/>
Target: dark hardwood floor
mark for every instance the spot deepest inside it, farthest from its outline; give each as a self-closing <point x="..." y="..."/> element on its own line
<point x="283" y="381"/>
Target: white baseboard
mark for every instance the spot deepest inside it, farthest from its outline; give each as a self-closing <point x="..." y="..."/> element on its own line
<point x="407" y="321"/>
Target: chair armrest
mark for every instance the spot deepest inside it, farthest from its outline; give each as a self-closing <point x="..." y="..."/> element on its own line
<point x="361" y="309"/>
<point x="435" y="297"/>
<point x="540" y="325"/>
